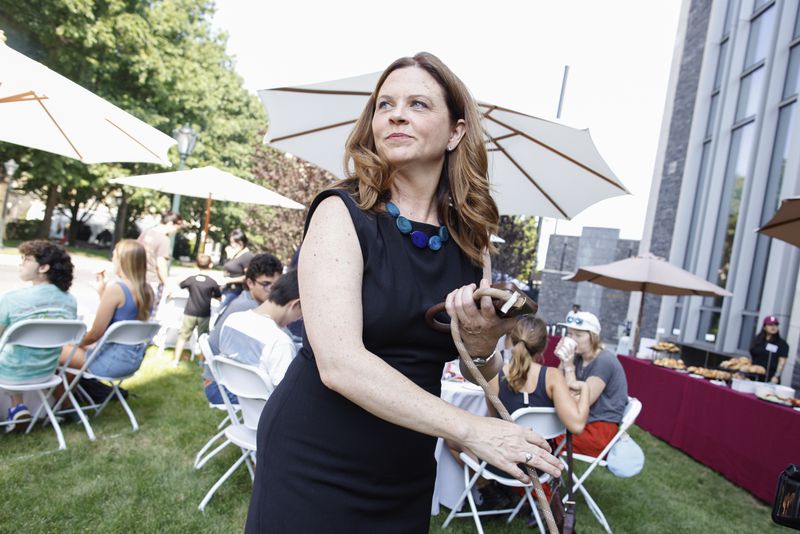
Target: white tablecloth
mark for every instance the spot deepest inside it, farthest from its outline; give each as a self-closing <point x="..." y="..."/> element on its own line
<point x="449" y="474"/>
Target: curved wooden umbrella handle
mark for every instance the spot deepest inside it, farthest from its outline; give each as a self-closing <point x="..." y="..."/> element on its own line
<point x="499" y="292"/>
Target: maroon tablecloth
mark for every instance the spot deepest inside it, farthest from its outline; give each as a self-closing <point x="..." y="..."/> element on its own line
<point x="747" y="440"/>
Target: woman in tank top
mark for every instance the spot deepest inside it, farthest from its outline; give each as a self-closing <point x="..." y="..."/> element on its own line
<point x="525" y="382"/>
<point x="129" y="298"/>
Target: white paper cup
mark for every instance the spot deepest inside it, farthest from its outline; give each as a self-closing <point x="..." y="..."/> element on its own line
<point x="565" y="347"/>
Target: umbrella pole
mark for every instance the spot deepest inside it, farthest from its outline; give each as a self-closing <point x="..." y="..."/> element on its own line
<point x="637" y="336"/>
<point x="205" y="224"/>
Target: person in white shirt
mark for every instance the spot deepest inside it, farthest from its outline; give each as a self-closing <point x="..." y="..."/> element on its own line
<point x="258" y="336"/>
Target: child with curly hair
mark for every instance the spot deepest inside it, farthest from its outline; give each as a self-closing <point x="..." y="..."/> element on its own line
<point x="48" y="267"/>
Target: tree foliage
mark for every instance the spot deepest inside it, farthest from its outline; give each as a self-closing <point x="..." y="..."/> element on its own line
<point x="516" y="256"/>
<point x="160" y="61"/>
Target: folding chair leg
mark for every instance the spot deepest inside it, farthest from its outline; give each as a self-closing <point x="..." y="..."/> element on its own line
<point x="474" y="510"/>
<point x="596" y="511"/>
<point x="61" y="443"/>
<point x="127" y="408"/>
<point x="468" y="483"/>
<point x="249" y="463"/>
<point x="201" y="460"/>
<point x="82" y="416"/>
<point x="517" y="508"/>
<point x="221" y="481"/>
<point x="535" y="510"/>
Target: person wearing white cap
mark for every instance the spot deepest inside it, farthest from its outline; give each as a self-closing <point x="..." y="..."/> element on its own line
<point x="583" y="358"/>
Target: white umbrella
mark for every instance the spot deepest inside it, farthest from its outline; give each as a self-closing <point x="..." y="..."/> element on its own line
<point x="536" y="167"/>
<point x="212" y="184"/>
<point x="41" y="109"/>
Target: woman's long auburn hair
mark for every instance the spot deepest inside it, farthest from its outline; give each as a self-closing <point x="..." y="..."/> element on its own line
<point x="465" y="204"/>
<point x="529" y="338"/>
<point x="132" y="261"/>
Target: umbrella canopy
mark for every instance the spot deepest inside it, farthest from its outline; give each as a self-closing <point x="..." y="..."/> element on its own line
<point x="785" y="224"/>
<point x="648" y="274"/>
<point x="41" y="109"/>
<point x="209" y="182"/>
<point x="536" y="167"/>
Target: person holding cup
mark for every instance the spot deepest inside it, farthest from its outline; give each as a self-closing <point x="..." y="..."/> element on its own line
<point x="583" y="358"/>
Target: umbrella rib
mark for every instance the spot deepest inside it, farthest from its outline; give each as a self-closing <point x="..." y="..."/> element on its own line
<point x="321" y="91"/>
<point x="778" y="223"/>
<point x="314" y="130"/>
<point x="28" y="96"/>
<point x="132" y="138"/>
<point x="39" y="100"/>
<point x="555" y="151"/>
<point x="530" y="179"/>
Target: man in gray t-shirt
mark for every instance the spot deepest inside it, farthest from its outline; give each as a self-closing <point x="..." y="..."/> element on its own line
<point x="611" y="403"/>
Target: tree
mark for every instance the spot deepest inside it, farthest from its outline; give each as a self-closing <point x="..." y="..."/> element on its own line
<point x="280" y="230"/>
<point x="515" y="257"/>
<point x="160" y="61"/>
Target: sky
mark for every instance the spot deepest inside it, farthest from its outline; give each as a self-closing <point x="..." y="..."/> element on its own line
<point x="512" y="53"/>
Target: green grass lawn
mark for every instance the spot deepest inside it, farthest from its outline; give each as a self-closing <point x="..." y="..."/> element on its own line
<point x="145" y="482"/>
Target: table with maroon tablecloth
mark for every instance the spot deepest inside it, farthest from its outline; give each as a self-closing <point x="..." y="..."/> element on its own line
<point x="747" y="440"/>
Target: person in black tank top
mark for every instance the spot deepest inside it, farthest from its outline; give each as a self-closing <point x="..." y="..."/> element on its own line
<point x="346" y="440"/>
<point x="525" y="382"/>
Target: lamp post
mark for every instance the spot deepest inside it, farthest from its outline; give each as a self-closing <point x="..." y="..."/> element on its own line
<point x="186" y="138"/>
<point x="119" y="223"/>
<point x="10" y="167"/>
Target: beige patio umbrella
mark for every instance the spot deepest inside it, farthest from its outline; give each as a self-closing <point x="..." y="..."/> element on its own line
<point x="647" y="274"/>
<point x="536" y="167"/>
<point x="42" y="109"/>
<point x="785" y="224"/>
<point x="209" y="183"/>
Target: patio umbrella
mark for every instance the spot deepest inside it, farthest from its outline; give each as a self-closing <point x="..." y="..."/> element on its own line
<point x="536" y="167"/>
<point x="647" y="274"/>
<point x="212" y="184"/>
<point x="785" y="224"/>
<point x="41" y="109"/>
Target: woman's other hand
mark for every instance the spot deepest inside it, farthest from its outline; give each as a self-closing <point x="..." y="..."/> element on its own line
<point x="504" y="445"/>
<point x="565" y="350"/>
<point x="578" y="388"/>
<point x="480" y="326"/>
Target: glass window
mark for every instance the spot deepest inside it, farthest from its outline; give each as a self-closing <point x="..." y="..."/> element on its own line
<point x="792" y="84"/>
<point x="689" y="260"/>
<point x="729" y="16"/>
<point x="676" y="319"/>
<point x="748" y="330"/>
<point x="758" y="3"/>
<point x="709" y="326"/>
<point x="712" y="114"/>
<point x="761" y="29"/>
<point x="738" y="166"/>
<point x="750" y="93"/>
<point x="723" y="48"/>
<point x="797" y="23"/>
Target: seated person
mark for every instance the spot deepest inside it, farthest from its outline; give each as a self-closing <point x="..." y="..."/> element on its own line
<point x="197" y="313"/>
<point x="49" y="269"/>
<point x="525" y="382"/>
<point x="263" y="270"/>
<point x="606" y="384"/>
<point x="129" y="298"/>
<point x="257" y="337"/>
<point x="768" y="341"/>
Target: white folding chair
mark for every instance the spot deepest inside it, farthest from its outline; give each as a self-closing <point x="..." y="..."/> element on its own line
<point x="123" y="333"/>
<point x="226" y="406"/>
<point x="632" y="411"/>
<point x="42" y="334"/>
<point x="547" y="424"/>
<point x="253" y="387"/>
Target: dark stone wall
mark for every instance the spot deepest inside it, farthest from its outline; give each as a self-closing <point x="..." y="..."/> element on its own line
<point x="675" y="155"/>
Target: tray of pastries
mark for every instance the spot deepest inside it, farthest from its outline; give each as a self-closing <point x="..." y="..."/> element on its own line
<point x="663" y="346"/>
<point x="670" y="363"/>
<point x="743" y="365"/>
<point x="711" y="374"/>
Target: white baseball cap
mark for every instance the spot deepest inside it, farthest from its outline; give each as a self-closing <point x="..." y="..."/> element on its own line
<point x="583" y="321"/>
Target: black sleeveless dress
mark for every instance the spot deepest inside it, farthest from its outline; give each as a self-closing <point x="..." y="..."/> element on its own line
<point x="326" y="465"/>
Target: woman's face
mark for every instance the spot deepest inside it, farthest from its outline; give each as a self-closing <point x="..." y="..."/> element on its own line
<point x="582" y="338"/>
<point x="411" y="124"/>
<point x="771" y="329"/>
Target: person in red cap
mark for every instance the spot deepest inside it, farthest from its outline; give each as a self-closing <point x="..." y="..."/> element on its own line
<point x="769" y="342"/>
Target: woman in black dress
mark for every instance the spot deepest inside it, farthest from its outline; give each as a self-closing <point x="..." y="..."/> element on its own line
<point x="239" y="257"/>
<point x="346" y="442"/>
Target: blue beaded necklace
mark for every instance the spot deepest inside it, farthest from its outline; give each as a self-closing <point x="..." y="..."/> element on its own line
<point x="418" y="238"/>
